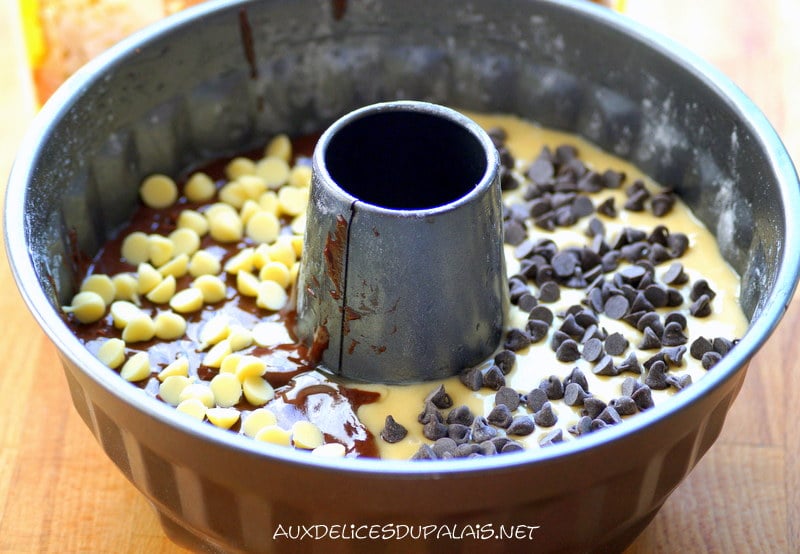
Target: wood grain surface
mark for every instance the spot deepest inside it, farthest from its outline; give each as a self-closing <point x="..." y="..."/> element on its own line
<point x="59" y="493"/>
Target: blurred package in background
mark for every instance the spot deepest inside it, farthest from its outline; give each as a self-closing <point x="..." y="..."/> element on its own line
<point x="62" y="35"/>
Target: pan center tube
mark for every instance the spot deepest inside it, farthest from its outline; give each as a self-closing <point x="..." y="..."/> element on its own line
<point x="403" y="275"/>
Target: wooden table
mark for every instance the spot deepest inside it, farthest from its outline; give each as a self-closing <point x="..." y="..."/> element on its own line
<point x="59" y="493"/>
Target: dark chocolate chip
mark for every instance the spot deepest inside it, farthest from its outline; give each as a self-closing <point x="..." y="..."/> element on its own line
<point x="545" y="417"/>
<point x="642" y="304"/>
<point x="493" y="378"/>
<point x="722" y="345"/>
<point x="592" y="350"/>
<point x="624" y="405"/>
<point x="605" y="366"/>
<point x="679" y="382"/>
<point x="487" y="448"/>
<point x="635" y="202"/>
<point x="521" y="425"/>
<point x="574" y="395"/>
<point x="583" y="427"/>
<point x="577" y="376"/>
<point x="613" y="179"/>
<point x="673" y="335"/>
<point x="536" y="329"/>
<point x="500" y="416"/>
<point x="657" y="376"/>
<point x="582" y="206"/>
<point x="526" y="302"/>
<point x="678" y="243"/>
<point x="568" y="351"/>
<point x="481" y="430"/>
<point x="652" y="321"/>
<point x="616" y="344"/>
<point x="467" y="449"/>
<point x="616" y="306"/>
<point x="662" y="204"/>
<point x="430" y="413"/>
<point x="517" y="339"/>
<point x="541" y="171"/>
<point x="607" y="208"/>
<point x="536" y="399"/>
<point x="557" y="339"/>
<point x="610" y="416"/>
<point x="472" y="378"/>
<point x="659" y="254"/>
<point x="459" y="432"/>
<point x="629" y="386"/>
<point x="542" y="313"/>
<point x="656" y="295"/>
<point x="709" y="359"/>
<point x="425" y="452"/>
<point x="610" y="261"/>
<point x="514" y="232"/>
<point x="700" y="288"/>
<point x="675" y="274"/>
<point x="392" y="431"/>
<point x="629" y="364"/>
<point x="505" y="360"/>
<point x="444" y="445"/>
<point x="674" y="298"/>
<point x="643" y="397"/>
<point x="553" y="387"/>
<point x="434" y="430"/>
<point x="650" y="341"/>
<point x="549" y="292"/>
<point x="595" y="228"/>
<point x="460" y="414"/>
<point x="508" y="397"/>
<point x="676" y="317"/>
<point x="700" y="346"/>
<point x="551" y="438"/>
<point x="439" y="398"/>
<point x="592" y="407"/>
<point x="512" y="446"/>
<point x="701" y="307"/>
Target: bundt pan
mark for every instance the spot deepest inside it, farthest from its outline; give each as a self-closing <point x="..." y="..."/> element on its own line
<point x="222" y="77"/>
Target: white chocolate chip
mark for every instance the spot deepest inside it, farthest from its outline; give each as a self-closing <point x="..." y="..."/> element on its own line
<point x="199" y="391"/>
<point x="187" y="301"/>
<point x="204" y="263"/>
<point x="185" y="240"/>
<point x="234" y="194"/>
<point x="178" y="367"/>
<point x="297" y="244"/>
<point x="250" y="366"/>
<point x="224" y="418"/>
<point x="330" y="450"/>
<point x="293" y="200"/>
<point x="269" y="202"/>
<point x="176" y="267"/>
<point x="274" y="171"/>
<point x="306" y="435"/>
<point x="134" y="248"/>
<point x="216" y="329"/>
<point x="212" y="287"/>
<point x="275" y="271"/>
<point x="227" y="389"/>
<point x="162" y="292"/>
<point x="252" y="185"/>
<point x="271" y="333"/>
<point x="122" y="312"/>
<point x="159" y="250"/>
<point x="169" y="326"/>
<point x="283" y="251"/>
<point x="171" y="388"/>
<point x="191" y="219"/>
<point x="126" y="287"/>
<point x="241" y="261"/>
<point x="87" y="307"/>
<point x="140" y="328"/>
<point x="193" y="408"/>
<point x="300" y="176"/>
<point x="112" y="352"/>
<point x="248" y="210"/>
<point x="298" y="224"/>
<point x="199" y="188"/>
<point x="279" y="147"/>
<point x="137" y="368"/>
<point x="271" y="296"/>
<point x="257" y="391"/>
<point x="275" y="435"/>
<point x="158" y="191"/>
<point x="229" y="363"/>
<point x="239" y="338"/>
<point x="218" y="352"/>
<point x="261" y="256"/>
<point x="102" y="285"/>
<point x="238" y="167"/>
<point x="258" y="420"/>
<point x="148" y="277"/>
<point x="263" y="227"/>
<point x="225" y="226"/>
<point x="247" y="284"/>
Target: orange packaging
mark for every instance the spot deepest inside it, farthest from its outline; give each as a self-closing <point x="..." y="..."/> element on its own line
<point x="62" y="35"/>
